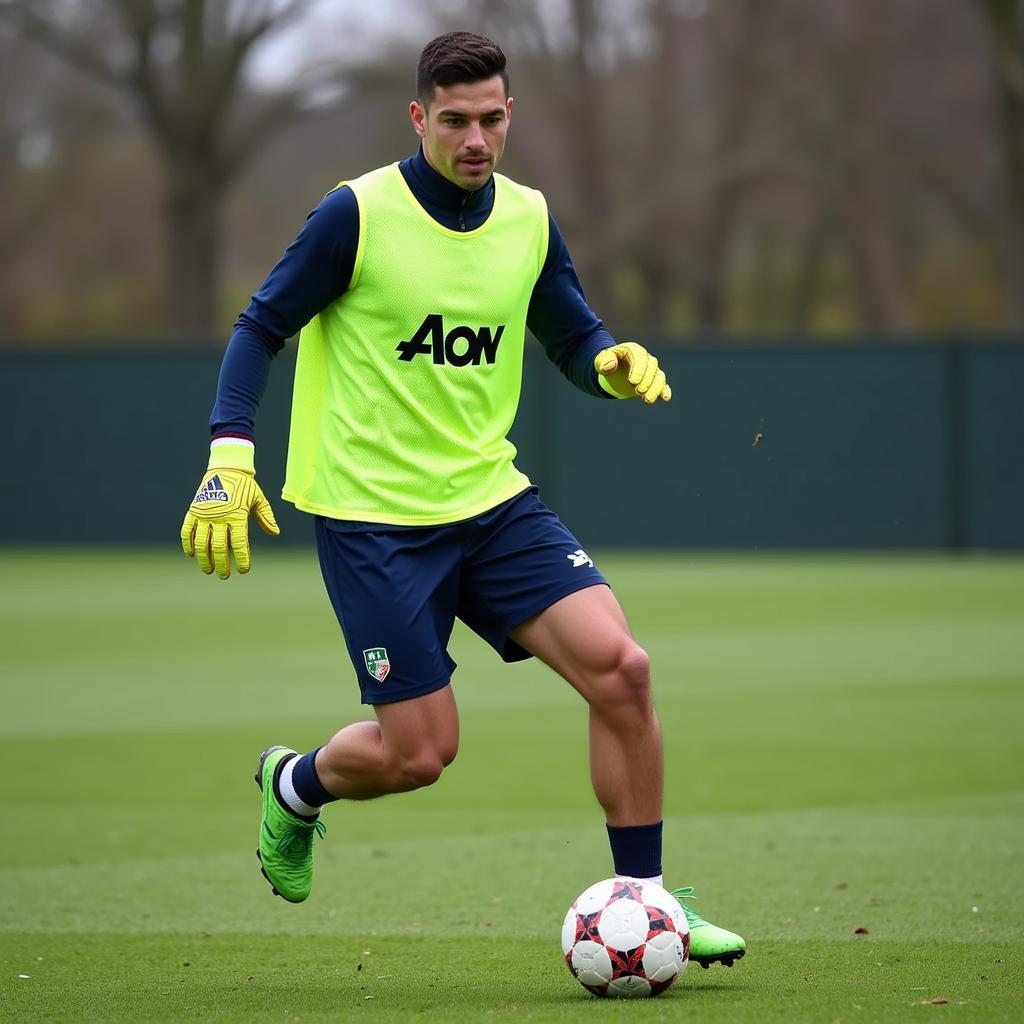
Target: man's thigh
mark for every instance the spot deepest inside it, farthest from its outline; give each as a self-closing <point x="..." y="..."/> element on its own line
<point x="395" y="594"/>
<point x="582" y="637"/>
<point x="522" y="560"/>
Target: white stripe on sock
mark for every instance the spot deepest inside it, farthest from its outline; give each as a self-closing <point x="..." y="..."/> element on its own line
<point x="656" y="879"/>
<point x="288" y="794"/>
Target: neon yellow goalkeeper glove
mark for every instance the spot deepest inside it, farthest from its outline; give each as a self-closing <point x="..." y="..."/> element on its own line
<point x="217" y="521"/>
<point x="630" y="371"/>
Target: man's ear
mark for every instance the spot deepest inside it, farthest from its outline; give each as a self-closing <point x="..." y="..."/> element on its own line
<point x="418" y="114"/>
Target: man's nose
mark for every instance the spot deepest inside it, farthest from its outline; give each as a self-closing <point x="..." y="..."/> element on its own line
<point x="475" y="136"/>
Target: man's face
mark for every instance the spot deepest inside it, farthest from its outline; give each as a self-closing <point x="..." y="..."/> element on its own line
<point x="463" y="130"/>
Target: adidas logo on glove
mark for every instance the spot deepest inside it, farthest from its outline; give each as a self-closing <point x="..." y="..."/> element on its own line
<point x="212" y="490"/>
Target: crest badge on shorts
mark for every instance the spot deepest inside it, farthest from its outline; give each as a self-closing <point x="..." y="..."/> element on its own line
<point x="377" y="663"/>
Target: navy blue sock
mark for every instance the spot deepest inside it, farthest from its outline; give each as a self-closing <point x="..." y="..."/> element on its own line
<point x="308" y="786"/>
<point x="636" y="849"/>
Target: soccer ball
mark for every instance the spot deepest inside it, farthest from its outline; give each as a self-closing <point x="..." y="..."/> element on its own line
<point x="626" y="938"/>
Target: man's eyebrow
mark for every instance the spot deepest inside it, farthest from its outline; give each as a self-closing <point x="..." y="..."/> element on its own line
<point x="451" y="112"/>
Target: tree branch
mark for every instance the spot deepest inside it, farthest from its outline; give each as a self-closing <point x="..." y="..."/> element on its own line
<point x="250" y="137"/>
<point x="141" y="19"/>
<point x="1005" y="28"/>
<point x="71" y="49"/>
<point x="222" y="84"/>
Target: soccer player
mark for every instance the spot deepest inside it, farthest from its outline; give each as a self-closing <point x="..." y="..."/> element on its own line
<point x="413" y="286"/>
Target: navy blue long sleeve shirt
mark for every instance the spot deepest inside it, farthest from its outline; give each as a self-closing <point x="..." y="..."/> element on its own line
<point x="317" y="267"/>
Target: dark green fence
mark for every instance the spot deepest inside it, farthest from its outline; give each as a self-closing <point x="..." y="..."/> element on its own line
<point x="866" y="446"/>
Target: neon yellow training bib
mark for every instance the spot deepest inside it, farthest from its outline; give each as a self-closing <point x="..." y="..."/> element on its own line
<point x="407" y="385"/>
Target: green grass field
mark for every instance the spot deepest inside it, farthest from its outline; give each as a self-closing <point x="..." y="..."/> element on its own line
<point x="843" y="752"/>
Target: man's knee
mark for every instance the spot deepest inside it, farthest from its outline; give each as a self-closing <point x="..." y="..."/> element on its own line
<point x="635" y="668"/>
<point x="625" y="679"/>
<point x="424" y="768"/>
<point x="420" y="738"/>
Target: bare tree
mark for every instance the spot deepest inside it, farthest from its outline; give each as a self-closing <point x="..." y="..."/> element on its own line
<point x="1005" y="19"/>
<point x="180" y="64"/>
<point x="26" y="203"/>
<point x="46" y="132"/>
<point x="734" y="153"/>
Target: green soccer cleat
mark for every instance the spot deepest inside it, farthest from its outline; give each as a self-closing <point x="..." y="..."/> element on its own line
<point x="708" y="942"/>
<point x="286" y="840"/>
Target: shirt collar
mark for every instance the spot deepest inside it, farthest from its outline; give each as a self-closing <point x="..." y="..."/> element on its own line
<point x="437" y="189"/>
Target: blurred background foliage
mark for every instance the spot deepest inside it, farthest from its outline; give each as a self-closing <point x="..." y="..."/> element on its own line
<point x="818" y="167"/>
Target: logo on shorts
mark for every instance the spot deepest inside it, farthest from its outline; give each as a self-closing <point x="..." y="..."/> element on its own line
<point x="377" y="663"/>
<point x="580" y="557"/>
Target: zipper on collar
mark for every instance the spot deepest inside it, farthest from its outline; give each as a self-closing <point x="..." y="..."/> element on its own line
<point x="462" y="210"/>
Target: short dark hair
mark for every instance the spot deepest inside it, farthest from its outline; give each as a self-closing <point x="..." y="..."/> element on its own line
<point x="457" y="57"/>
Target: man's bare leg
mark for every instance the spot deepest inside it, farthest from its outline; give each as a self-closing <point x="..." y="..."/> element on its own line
<point x="408" y="746"/>
<point x="585" y="639"/>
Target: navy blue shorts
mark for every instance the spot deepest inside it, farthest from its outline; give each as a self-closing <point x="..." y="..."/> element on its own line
<point x="397" y="590"/>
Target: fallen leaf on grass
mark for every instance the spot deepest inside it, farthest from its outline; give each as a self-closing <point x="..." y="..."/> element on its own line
<point x="860" y="931"/>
